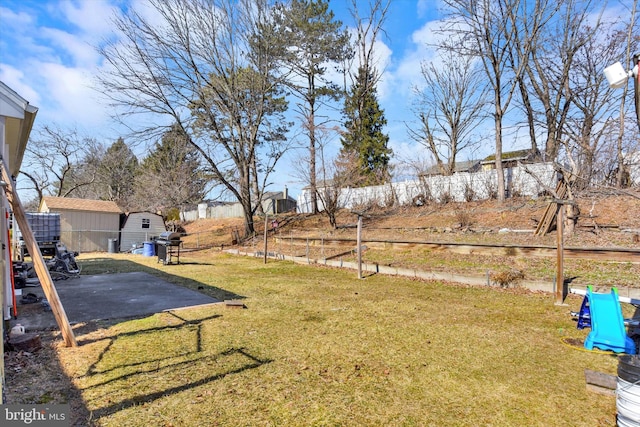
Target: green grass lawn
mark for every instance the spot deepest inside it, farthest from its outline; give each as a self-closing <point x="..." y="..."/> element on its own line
<point x="318" y="347"/>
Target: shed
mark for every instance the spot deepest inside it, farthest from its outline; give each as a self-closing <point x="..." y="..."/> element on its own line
<point x="275" y="202"/>
<point x="86" y="225"/>
<point x="140" y="227"/>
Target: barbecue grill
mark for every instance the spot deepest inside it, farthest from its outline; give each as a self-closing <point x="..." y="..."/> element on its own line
<point x="168" y="247"/>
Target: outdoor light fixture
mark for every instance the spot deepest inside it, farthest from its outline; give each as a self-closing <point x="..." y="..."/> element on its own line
<point x="617" y="77"/>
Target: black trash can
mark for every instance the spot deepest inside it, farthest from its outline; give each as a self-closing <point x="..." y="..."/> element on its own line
<point x="113" y="246"/>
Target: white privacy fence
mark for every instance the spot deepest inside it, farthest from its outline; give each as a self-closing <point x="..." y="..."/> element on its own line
<point x="463" y="186"/>
<point x="231" y="210"/>
<point x="235" y="210"/>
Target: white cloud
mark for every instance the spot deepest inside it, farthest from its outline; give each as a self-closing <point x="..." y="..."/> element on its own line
<point x="428" y="7"/>
<point x="53" y="60"/>
<point x="80" y="52"/>
<point x="70" y="96"/>
<point x="382" y="61"/>
<point x="405" y="74"/>
<point x="15" y="20"/>
<point x="15" y="78"/>
<point x="92" y="17"/>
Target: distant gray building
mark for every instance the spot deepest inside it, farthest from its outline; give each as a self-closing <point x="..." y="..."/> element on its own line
<point x="275" y="202"/>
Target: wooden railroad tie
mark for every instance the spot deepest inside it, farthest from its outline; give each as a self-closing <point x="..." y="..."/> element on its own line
<point x="600" y="382"/>
<point x="234" y="303"/>
<point x="550" y="213"/>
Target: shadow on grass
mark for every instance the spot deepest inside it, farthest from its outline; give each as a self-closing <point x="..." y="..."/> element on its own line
<point x="252" y="363"/>
<point x="192" y="263"/>
<point x="187" y="323"/>
<point x="147" y="376"/>
<point x="95" y="266"/>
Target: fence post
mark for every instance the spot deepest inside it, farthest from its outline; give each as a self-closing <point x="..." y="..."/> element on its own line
<point x="560" y="285"/>
<point x="359" y="246"/>
<point x="266" y="218"/>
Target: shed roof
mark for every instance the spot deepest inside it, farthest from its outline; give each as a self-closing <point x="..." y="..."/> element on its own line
<point x="275" y="195"/>
<point x="72" y="204"/>
<point x="509" y="155"/>
<point x="464" y="166"/>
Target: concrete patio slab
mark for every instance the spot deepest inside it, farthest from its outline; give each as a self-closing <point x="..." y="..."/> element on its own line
<point x="108" y="296"/>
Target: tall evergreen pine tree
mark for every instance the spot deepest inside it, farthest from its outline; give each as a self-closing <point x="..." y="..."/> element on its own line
<point x="364" y="138"/>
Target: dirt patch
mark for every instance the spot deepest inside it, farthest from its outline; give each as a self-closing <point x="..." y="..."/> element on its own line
<point x="38" y="378"/>
<point x="214" y="224"/>
<point x="605" y="220"/>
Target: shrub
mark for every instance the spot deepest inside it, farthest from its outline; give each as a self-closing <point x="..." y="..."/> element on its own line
<point x="506" y="278"/>
<point x="464" y="218"/>
<point x="469" y="193"/>
<point x="445" y="197"/>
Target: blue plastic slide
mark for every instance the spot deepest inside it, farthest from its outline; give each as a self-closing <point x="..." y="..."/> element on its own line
<point x="602" y="313"/>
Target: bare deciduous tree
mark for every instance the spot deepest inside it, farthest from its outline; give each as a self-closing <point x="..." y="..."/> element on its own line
<point x="544" y="87"/>
<point x="591" y="121"/>
<point x="205" y="66"/>
<point x="489" y="30"/>
<point x="620" y="146"/>
<point x="367" y="32"/>
<point x="450" y="105"/>
<point x="50" y="162"/>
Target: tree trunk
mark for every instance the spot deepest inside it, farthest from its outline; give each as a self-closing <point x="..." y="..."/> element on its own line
<point x="312" y="157"/>
<point x="245" y="200"/>
<point x="499" y="168"/>
<point x="551" y="146"/>
<point x="619" y="144"/>
<point x="530" y="119"/>
<point x="256" y="188"/>
<point x="572" y="219"/>
<point x="249" y="229"/>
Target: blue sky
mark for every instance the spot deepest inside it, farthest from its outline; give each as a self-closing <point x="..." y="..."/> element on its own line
<point x="46" y="55"/>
